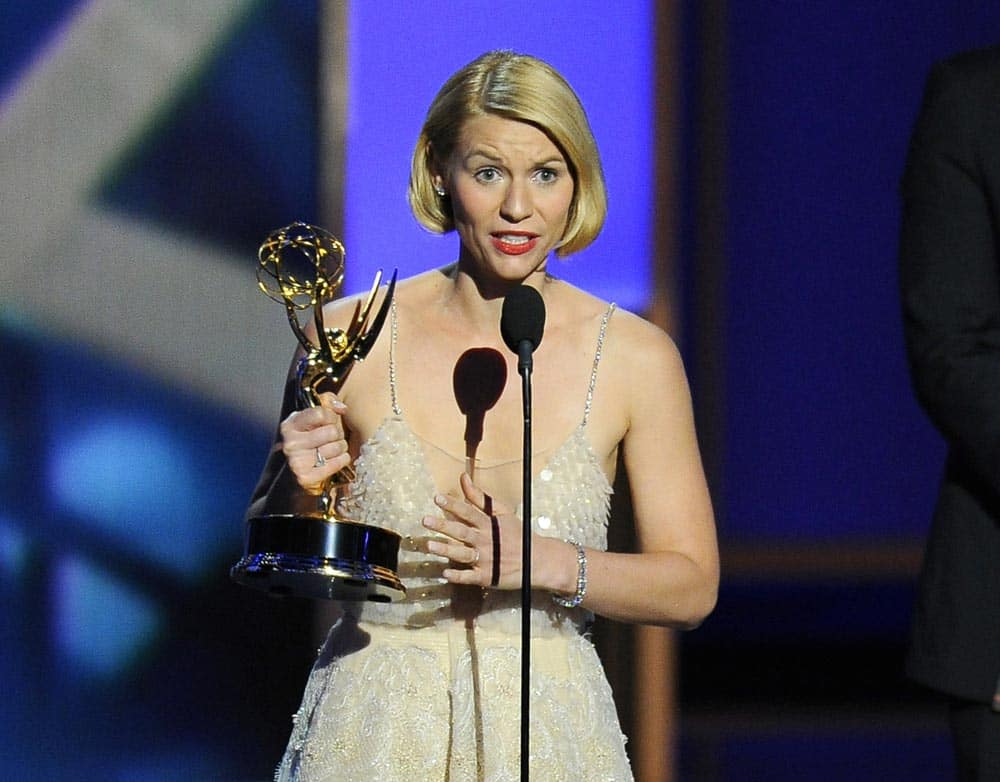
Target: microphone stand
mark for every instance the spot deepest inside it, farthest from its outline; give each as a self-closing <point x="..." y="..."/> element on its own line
<point x="521" y="326"/>
<point x="524" y="366"/>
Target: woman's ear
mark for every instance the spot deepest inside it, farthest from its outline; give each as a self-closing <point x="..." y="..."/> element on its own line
<point x="434" y="165"/>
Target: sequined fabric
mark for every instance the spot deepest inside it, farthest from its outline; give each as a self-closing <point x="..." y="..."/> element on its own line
<point x="428" y="689"/>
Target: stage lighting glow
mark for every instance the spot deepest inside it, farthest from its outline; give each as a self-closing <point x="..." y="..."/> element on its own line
<point x="100" y="625"/>
<point x="135" y="480"/>
<point x="13" y="548"/>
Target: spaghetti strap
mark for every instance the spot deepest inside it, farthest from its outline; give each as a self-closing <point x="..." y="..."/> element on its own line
<point x="393" y="332"/>
<point x="597" y="361"/>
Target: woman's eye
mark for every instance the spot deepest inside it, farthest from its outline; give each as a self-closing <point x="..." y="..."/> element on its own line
<point x="546" y="175"/>
<point x="487" y="175"/>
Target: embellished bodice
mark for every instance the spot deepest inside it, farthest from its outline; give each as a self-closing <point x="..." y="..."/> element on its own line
<point x="394" y="489"/>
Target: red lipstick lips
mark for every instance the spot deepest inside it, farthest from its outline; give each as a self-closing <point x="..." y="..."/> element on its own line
<point x="514" y="243"/>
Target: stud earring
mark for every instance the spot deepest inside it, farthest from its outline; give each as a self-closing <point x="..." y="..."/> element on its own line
<point x="440" y="190"/>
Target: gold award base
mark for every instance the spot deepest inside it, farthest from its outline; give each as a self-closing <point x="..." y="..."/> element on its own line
<point x="315" y="557"/>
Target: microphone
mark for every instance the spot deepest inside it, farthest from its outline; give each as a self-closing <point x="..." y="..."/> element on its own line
<point x="522" y="322"/>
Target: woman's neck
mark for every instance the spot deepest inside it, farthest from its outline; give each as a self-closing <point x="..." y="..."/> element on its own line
<point x="477" y="301"/>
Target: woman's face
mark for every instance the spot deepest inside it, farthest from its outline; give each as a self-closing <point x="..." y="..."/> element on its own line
<point x="511" y="191"/>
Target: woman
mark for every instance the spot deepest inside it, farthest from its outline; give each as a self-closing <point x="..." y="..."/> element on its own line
<point x="429" y="688"/>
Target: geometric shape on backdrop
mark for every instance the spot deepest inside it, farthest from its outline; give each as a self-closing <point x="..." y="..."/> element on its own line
<point x="26" y="34"/>
<point x="101" y="626"/>
<point x="236" y="153"/>
<point x="135" y="480"/>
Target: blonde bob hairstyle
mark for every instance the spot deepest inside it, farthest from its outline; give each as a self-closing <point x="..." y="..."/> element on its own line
<point x="522" y="88"/>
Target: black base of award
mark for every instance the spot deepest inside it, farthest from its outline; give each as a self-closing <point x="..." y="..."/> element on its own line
<point x="306" y="556"/>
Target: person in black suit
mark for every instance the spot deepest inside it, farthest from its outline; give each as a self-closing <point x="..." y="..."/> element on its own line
<point x="950" y="285"/>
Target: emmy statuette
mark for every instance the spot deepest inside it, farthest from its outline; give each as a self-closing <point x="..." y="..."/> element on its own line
<point x="317" y="553"/>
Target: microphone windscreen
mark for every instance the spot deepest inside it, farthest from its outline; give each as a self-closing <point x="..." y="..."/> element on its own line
<point x="523" y="318"/>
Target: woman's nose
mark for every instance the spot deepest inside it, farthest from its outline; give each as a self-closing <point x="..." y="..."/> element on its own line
<point x="516" y="204"/>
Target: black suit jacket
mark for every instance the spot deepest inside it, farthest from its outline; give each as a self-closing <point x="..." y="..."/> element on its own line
<point x="950" y="283"/>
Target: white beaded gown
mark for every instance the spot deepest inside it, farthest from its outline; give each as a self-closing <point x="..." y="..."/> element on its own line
<point x="428" y="689"/>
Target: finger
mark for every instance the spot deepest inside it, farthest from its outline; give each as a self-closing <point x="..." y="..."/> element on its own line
<point x="310" y="419"/>
<point x="456" y="530"/>
<point x="458" y="509"/>
<point x="474" y="494"/>
<point x="460" y="554"/>
<point x="328" y="452"/>
<point x="491" y="511"/>
<point x="315" y="417"/>
<point x="462" y="576"/>
<point x="330" y="401"/>
<point x="317" y="438"/>
<point x="314" y="465"/>
<point x="480" y="499"/>
<point x="469" y="576"/>
<point x="312" y="422"/>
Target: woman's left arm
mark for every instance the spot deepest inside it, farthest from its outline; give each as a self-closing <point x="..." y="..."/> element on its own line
<point x="674" y="578"/>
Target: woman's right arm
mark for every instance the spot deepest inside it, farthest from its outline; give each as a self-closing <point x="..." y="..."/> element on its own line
<point x="292" y="475"/>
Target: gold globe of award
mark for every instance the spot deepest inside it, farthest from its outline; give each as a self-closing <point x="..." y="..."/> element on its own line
<point x="317" y="553"/>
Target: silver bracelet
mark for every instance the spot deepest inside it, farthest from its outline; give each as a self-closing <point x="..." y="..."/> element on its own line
<point x="581" y="579"/>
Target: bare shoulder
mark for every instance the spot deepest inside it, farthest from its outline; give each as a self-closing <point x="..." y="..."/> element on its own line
<point x="410" y="292"/>
<point x="651" y="382"/>
<point x="633" y="346"/>
<point x="572" y="308"/>
<point x="640" y="348"/>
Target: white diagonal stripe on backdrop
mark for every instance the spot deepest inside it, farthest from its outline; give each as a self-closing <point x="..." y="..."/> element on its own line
<point x="163" y="302"/>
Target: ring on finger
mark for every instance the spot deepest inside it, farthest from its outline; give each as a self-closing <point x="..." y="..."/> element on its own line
<point x="320" y="460"/>
<point x="475" y="560"/>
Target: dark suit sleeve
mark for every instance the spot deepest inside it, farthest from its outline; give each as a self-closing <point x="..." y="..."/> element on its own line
<point x="949" y="267"/>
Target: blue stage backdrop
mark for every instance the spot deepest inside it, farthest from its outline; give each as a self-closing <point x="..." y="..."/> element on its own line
<point x="397" y="62"/>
